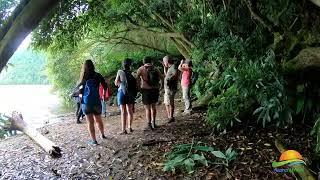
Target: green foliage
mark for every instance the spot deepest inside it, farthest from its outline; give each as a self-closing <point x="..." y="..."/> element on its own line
<point x="189" y="156"/>
<point x="6" y="8"/>
<point x="26" y="67"/>
<point x="316" y="131"/>
<point x="4" y="124"/>
<point x="238" y="48"/>
<point x="244" y="83"/>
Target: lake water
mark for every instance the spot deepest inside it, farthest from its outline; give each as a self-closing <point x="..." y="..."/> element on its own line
<point x="36" y="103"/>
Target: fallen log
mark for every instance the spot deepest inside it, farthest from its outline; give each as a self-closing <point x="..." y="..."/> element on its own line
<point x="305" y="174"/>
<point x="17" y="123"/>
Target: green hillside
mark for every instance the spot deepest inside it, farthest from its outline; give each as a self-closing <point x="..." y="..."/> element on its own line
<point x="26" y="67"/>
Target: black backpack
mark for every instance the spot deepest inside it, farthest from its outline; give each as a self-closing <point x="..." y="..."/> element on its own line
<point x="132" y="87"/>
<point x="194" y="77"/>
<point x="153" y="76"/>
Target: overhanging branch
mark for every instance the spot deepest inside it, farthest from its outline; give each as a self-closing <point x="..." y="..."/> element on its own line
<point x="27" y="20"/>
<point x="256" y="16"/>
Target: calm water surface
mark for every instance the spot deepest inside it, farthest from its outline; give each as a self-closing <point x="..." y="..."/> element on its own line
<point x="36" y="103"/>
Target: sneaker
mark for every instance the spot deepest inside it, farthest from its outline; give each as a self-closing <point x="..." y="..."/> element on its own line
<point x="103" y="137"/>
<point x="78" y="122"/>
<point x="130" y="130"/>
<point x="92" y="142"/>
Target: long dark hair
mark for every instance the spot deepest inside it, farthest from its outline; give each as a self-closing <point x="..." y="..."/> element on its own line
<point x="126" y="64"/>
<point x="87" y="70"/>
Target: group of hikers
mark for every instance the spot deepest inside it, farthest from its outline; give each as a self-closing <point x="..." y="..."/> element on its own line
<point x="93" y="91"/>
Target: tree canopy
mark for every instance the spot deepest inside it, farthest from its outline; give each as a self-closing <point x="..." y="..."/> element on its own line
<point x="250" y="54"/>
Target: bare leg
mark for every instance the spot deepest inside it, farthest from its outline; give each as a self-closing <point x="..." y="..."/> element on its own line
<point x="99" y="123"/>
<point x="91" y="129"/>
<point x="130" y="115"/>
<point x="148" y="116"/>
<point x="148" y="112"/>
<point x="168" y="111"/>
<point x="123" y="110"/>
<point x="154" y="114"/>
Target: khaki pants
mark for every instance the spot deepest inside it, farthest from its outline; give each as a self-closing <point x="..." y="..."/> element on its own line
<point x="186" y="98"/>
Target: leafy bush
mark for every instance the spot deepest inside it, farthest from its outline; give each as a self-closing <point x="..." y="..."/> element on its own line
<point x="245" y="84"/>
<point x="316" y="131"/>
<point x="189" y="156"/>
<point x="4" y="125"/>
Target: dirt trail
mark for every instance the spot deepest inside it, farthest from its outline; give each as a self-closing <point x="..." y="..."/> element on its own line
<point x="138" y="155"/>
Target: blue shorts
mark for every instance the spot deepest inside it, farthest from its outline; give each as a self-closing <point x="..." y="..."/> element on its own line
<point x="95" y="109"/>
<point x="125" y="98"/>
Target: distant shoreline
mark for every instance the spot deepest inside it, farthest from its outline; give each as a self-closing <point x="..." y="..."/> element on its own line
<point x="38" y="104"/>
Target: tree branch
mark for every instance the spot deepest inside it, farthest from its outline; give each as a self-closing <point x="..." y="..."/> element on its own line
<point x="127" y="41"/>
<point x="9" y="21"/>
<point x="256" y="16"/>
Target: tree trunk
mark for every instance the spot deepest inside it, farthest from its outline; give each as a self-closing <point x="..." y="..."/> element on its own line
<point x="19" y="124"/>
<point x="9" y="21"/>
<point x="23" y="23"/>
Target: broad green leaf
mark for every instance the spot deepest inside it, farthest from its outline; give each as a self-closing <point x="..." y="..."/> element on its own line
<point x="200" y="158"/>
<point x="219" y="154"/>
<point x="258" y="110"/>
<point x="300" y="104"/>
<point x="203" y="148"/>
<point x="229" y="150"/>
<point x="177" y="159"/>
<point x="189" y="164"/>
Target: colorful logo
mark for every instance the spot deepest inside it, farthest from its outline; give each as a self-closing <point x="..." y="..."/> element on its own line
<point x="288" y="159"/>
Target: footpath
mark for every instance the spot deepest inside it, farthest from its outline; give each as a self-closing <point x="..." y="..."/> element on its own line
<point x="140" y="155"/>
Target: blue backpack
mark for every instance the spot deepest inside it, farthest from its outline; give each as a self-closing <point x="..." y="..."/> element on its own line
<point x="91" y="93"/>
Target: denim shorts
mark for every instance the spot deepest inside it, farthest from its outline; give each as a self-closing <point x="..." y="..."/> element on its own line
<point x="125" y="98"/>
<point x="95" y="109"/>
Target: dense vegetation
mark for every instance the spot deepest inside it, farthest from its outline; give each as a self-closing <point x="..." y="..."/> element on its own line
<point x="243" y="50"/>
<point x="257" y="60"/>
<point x="26" y="67"/>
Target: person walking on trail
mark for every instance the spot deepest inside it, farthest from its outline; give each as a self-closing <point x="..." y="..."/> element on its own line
<point x="170" y="86"/>
<point x="186" y="68"/>
<point x="127" y="92"/>
<point x="90" y="103"/>
<point x="79" y="113"/>
<point x="149" y="79"/>
<point x="104" y="97"/>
